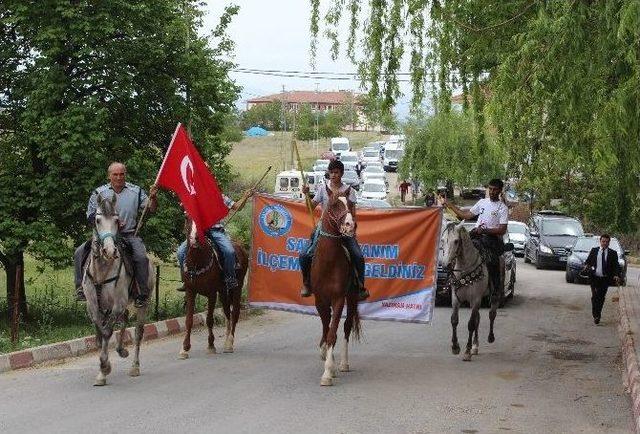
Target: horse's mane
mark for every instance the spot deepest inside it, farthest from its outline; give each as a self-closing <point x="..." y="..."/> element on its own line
<point x="106" y="206"/>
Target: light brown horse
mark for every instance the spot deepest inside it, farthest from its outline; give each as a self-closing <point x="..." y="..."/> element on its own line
<point x="203" y="275"/>
<point x="330" y="281"/>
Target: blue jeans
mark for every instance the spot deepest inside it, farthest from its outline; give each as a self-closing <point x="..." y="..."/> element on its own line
<point x="222" y="241"/>
<point x="352" y="246"/>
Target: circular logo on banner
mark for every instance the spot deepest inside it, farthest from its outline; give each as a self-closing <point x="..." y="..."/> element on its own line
<point x="275" y="220"/>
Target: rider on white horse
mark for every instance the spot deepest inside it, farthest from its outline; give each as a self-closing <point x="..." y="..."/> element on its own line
<point x="335" y="184"/>
<point x="131" y="200"/>
<point x="493" y="216"/>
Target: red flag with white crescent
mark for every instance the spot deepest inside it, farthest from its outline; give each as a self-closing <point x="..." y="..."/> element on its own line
<point x="184" y="172"/>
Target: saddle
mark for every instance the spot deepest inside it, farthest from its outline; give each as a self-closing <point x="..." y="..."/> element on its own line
<point x="126" y="253"/>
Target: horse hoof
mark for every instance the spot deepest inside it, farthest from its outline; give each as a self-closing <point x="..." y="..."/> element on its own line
<point x="474" y="351"/>
<point x="183" y="355"/>
<point x="134" y="372"/>
<point x="211" y="350"/>
<point x="107" y="369"/>
<point x="344" y="368"/>
<point x="491" y="339"/>
<point x="100" y="382"/>
<point x="455" y="350"/>
<point x="123" y="353"/>
<point x="326" y="381"/>
<point x="466" y="357"/>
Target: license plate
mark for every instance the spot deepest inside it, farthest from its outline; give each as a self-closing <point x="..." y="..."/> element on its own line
<point x="563" y="259"/>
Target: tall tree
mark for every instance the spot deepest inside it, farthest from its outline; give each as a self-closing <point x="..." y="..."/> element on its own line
<point x="84" y="83"/>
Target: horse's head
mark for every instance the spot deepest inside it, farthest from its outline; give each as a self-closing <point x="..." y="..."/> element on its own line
<point x="190" y="231"/>
<point x="106" y="227"/>
<point x="454" y="237"/>
<point x="339" y="215"/>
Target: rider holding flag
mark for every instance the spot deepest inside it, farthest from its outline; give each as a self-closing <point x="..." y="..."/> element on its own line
<point x="493" y="217"/>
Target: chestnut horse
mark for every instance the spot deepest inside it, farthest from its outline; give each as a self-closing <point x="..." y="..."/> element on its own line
<point x="331" y="277"/>
<point x="203" y="275"/>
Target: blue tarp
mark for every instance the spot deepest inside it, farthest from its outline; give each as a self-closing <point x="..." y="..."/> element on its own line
<point x="256" y="132"/>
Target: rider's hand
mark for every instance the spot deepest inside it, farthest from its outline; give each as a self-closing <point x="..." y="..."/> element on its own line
<point x="442" y="201"/>
<point x="305" y="189"/>
<point x="153" y="191"/>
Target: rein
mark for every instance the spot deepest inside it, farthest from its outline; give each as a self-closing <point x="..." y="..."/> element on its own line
<point x="472" y="275"/>
<point x="193" y="274"/>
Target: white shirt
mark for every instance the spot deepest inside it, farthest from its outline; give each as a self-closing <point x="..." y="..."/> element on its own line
<point x="322" y="198"/>
<point x="490" y="214"/>
<point x="599" y="270"/>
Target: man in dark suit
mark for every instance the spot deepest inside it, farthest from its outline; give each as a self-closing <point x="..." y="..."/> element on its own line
<point x="602" y="265"/>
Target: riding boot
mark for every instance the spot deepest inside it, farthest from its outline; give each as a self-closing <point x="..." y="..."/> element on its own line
<point x="80" y="294"/>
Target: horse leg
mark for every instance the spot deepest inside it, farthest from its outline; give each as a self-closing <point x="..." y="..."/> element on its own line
<point x="235" y="314"/>
<point x="105" y="365"/>
<point x="495" y="302"/>
<point x="120" y="349"/>
<point x="455" y="347"/>
<point x="188" y="322"/>
<point x="325" y="316"/>
<point x="141" y="314"/>
<point x="230" y="320"/>
<point x="471" y="326"/>
<point x="329" y="364"/>
<point x="211" y="305"/>
<point x="348" y="324"/>
<point x="476" y="346"/>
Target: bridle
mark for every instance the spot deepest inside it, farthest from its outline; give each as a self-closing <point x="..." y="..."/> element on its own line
<point x="334" y="220"/>
<point x="193" y="274"/>
<point x="468" y="277"/>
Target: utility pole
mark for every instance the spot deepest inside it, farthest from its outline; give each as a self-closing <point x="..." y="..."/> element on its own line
<point x="317" y="114"/>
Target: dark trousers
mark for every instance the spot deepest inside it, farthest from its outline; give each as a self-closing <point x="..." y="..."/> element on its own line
<point x="355" y="252"/>
<point x="599" y="287"/>
<point x="491" y="247"/>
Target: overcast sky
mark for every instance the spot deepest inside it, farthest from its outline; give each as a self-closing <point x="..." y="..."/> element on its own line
<point x="275" y="35"/>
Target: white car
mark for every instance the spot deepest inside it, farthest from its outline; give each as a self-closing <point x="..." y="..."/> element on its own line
<point x="349" y="157"/>
<point x="373" y="172"/>
<point x="518" y="235"/>
<point x="373" y="189"/>
<point x="321" y="165"/>
<point x="372" y="203"/>
<point x="370" y="155"/>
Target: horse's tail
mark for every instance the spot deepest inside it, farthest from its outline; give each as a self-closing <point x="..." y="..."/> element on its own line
<point x="352" y="308"/>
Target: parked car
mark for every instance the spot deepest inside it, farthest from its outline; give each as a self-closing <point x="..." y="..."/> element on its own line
<point x="551" y="236"/>
<point x="351" y="177"/>
<point x="579" y="252"/>
<point x="372" y="203"/>
<point x="315" y="180"/>
<point x="321" y="165"/>
<point x="369" y="155"/>
<point x="349" y="157"/>
<point x="373" y="172"/>
<point x="443" y="290"/>
<point x="392" y="155"/>
<point x="478" y="192"/>
<point x="373" y="189"/>
<point x="517" y="236"/>
<point x="339" y="145"/>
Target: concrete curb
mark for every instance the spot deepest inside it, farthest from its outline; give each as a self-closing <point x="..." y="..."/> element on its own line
<point x="631" y="375"/>
<point x="77" y="347"/>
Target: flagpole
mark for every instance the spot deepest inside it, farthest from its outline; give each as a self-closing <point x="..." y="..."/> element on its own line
<point x="244" y="199"/>
<point x="146" y="207"/>
<point x="304" y="181"/>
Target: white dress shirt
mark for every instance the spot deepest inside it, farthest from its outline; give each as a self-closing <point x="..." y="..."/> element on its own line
<point x="599" y="270"/>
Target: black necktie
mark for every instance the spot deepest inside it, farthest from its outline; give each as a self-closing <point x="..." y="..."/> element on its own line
<point x="602" y="261"/>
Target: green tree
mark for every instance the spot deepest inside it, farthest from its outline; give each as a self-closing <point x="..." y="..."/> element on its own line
<point x="85" y="83"/>
<point x="267" y="115"/>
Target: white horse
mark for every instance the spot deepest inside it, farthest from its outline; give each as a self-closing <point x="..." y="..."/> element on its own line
<point x="469" y="280"/>
<point x="106" y="285"/>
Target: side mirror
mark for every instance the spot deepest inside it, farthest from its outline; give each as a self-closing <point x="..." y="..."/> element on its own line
<point x="534" y="235"/>
<point x="508" y="247"/>
<point x="627" y="252"/>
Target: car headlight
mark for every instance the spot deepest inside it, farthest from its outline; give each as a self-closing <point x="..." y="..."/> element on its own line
<point x="621" y="262"/>
<point x="545" y="249"/>
<point x="575" y="261"/>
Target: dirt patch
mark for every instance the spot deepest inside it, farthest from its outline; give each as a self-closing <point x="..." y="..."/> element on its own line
<point x="571" y="355"/>
<point x="517" y="405"/>
<point x="553" y="338"/>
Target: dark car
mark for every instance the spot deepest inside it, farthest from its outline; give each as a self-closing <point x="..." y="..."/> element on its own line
<point x="479" y="192"/>
<point x="443" y="290"/>
<point x="551" y="234"/>
<point x="580" y="251"/>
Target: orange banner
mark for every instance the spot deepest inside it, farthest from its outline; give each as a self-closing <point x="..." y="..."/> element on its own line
<point x="400" y="247"/>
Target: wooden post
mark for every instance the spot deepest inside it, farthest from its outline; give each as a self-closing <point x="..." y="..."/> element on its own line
<point x="15" y="320"/>
<point x="157" y="291"/>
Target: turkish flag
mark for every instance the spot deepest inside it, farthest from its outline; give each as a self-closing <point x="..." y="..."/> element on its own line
<point x="184" y="172"/>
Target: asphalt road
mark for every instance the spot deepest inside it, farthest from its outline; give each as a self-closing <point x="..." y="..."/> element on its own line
<point x="551" y="370"/>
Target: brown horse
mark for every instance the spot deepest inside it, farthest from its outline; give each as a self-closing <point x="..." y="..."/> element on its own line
<point x="203" y="275"/>
<point x="330" y="280"/>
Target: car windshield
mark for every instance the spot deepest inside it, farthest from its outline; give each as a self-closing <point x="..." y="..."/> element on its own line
<point x="373" y="169"/>
<point x="562" y="228"/>
<point x="375" y="188"/>
<point x="349" y="158"/>
<point x="340" y="146"/>
<point x="393" y="153"/>
<point x="517" y="229"/>
<point x="373" y="153"/>
<point x="586" y="244"/>
<point x="350" y="176"/>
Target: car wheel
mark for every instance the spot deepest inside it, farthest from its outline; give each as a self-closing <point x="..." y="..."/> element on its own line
<point x="569" y="277"/>
<point x="537" y="263"/>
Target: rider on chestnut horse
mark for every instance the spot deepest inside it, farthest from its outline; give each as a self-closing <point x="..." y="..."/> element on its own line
<point x="334" y="186"/>
<point x="493" y="216"/>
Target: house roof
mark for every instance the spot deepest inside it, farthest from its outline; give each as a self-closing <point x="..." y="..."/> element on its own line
<point x="310" y="97"/>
